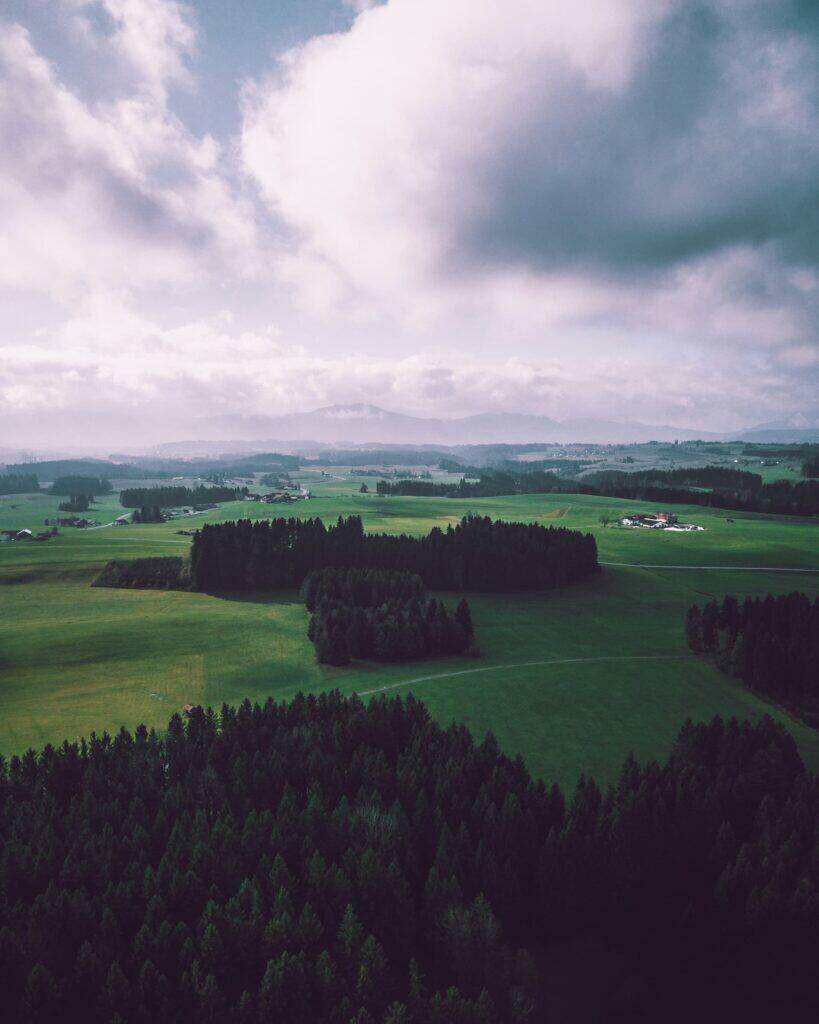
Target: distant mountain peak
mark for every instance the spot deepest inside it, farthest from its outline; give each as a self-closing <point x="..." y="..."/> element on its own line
<point x="354" y="411"/>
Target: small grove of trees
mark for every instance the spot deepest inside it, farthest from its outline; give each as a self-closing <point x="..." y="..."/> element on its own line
<point x="477" y="554"/>
<point x="169" y="497"/>
<point x="383" y="616"/>
<point x="329" y="861"/>
<point x="770" y="643"/>
<point x="18" y="483"/>
<point x="162" y="573"/>
<point x="88" y="485"/>
<point x="810" y="467"/>
<point x="76" y="503"/>
<point x="148" y="514"/>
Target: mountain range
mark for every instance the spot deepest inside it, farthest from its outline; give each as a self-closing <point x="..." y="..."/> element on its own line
<point x="356" y="424"/>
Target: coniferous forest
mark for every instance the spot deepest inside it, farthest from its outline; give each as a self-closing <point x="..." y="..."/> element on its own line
<point x="18" y="483"/>
<point x="477" y="554"/>
<point x="380" y="615"/>
<point x="328" y="861"/>
<point x="771" y="644"/>
<point x="75" y="484"/>
<point x="171" y="496"/>
<point x="148" y="514"/>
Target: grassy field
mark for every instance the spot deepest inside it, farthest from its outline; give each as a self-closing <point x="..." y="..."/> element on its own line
<point x="572" y="679"/>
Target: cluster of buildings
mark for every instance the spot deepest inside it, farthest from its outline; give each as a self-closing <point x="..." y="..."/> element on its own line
<point x="280" y="497"/>
<point x="658" y="521"/>
<point x="10" y="535"/>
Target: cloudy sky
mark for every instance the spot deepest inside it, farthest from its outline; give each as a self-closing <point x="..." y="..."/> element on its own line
<point x="598" y="209"/>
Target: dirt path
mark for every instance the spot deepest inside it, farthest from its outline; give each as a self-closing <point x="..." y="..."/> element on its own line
<point x="721" y="568"/>
<point x="524" y="664"/>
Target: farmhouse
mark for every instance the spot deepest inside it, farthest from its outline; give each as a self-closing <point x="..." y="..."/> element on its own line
<point x="659" y="521"/>
<point x="656" y="520"/>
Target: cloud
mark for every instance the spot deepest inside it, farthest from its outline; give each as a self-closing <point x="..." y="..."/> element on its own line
<point x="148" y="381"/>
<point x="608" y="160"/>
<point x="114" y="193"/>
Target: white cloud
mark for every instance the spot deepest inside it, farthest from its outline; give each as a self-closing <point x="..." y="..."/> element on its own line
<point x="541" y="163"/>
<point x="116" y="193"/>
<point x="174" y="377"/>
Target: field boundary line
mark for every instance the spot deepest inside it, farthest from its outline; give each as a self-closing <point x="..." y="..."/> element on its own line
<point x="721" y="568"/>
<point x="524" y="664"/>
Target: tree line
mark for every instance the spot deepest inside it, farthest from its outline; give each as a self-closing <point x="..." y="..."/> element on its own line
<point x="728" y="488"/>
<point x="76" y="503"/>
<point x="87" y="485"/>
<point x="491" y="483"/>
<point x="810" y="467"/>
<point x="770" y="643"/>
<point x="380" y="615"/>
<point x="169" y="572"/>
<point x="19" y="483"/>
<point x="325" y="860"/>
<point x="148" y="514"/>
<point x="170" y="497"/>
<point x="476" y="554"/>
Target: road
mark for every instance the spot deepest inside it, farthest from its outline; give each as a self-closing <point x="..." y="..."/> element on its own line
<point x="721" y="568"/>
<point x="524" y="664"/>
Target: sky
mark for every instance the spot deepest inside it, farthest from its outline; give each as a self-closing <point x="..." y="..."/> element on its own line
<point x="607" y="209"/>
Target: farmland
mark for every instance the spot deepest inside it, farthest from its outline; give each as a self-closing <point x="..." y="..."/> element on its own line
<point x="572" y="679"/>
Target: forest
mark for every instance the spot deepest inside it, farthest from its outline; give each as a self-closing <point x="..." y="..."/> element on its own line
<point x="380" y="615"/>
<point x="770" y="643"/>
<point x="148" y="514"/>
<point x="168" y="572"/>
<point x="87" y="485"/>
<point x="491" y="483"/>
<point x="728" y="488"/>
<point x="476" y="554"/>
<point x="76" y="503"/>
<point x="330" y="861"/>
<point x="19" y="483"/>
<point x="810" y="467"/>
<point x="170" y="497"/>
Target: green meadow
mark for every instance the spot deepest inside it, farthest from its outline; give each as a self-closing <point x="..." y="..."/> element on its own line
<point x="572" y="679"/>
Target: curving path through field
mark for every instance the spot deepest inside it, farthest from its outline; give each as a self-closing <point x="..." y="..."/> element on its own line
<point x="524" y="664"/>
<point x="721" y="568"/>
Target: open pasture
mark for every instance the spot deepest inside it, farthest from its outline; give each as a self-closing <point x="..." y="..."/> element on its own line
<point x="572" y="679"/>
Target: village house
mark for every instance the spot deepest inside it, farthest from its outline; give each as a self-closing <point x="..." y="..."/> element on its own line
<point x="658" y="521"/>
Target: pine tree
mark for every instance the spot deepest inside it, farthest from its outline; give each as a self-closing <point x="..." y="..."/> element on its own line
<point x="463" y="617"/>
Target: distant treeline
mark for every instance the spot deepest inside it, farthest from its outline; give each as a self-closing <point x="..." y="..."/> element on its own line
<point x="477" y="554"/>
<point x="566" y="467"/>
<point x="329" y="861"/>
<point x="76" y="503"/>
<point x="788" y="451"/>
<point x="781" y="497"/>
<point x="171" y="497"/>
<point x="380" y="615"/>
<point x="53" y="468"/>
<point x="378" y="457"/>
<point x="729" y="488"/>
<point x="771" y="644"/>
<point x="87" y="485"/>
<point x="810" y="467"/>
<point x="491" y="483"/>
<point x="160" y="573"/>
<point x="148" y="514"/>
<point x="691" y="476"/>
<point x="19" y="483"/>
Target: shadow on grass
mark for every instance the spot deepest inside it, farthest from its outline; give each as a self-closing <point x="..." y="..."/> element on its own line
<point x="290" y="597"/>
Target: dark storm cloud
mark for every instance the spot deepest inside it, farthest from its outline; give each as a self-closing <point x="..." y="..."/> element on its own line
<point x="713" y="143"/>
